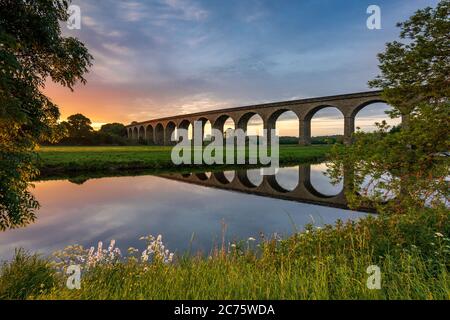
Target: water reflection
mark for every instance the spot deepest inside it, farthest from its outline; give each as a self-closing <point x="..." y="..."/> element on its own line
<point x="175" y="205"/>
<point x="321" y="182"/>
<point x="303" y="183"/>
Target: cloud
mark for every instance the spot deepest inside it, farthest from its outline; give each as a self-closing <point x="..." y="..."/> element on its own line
<point x="118" y="49"/>
<point x="157" y="12"/>
<point x="96" y="26"/>
<point x="187" y="10"/>
<point x="184" y="105"/>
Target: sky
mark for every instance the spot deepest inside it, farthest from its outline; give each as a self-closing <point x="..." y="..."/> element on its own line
<point x="157" y="58"/>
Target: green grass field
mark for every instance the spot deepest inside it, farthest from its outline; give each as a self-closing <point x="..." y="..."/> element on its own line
<point x="86" y="159"/>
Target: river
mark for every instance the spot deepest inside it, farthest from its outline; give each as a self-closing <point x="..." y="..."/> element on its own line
<point x="179" y="207"/>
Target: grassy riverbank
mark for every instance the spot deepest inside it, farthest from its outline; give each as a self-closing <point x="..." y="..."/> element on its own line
<point x="412" y="252"/>
<point x="91" y="159"/>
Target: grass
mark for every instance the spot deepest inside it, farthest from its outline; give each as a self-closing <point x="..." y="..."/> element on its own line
<point x="328" y="263"/>
<point x="91" y="159"/>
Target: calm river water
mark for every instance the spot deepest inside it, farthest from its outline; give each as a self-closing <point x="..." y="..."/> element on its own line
<point x="126" y="208"/>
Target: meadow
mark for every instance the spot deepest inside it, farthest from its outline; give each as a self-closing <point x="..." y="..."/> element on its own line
<point x="56" y="159"/>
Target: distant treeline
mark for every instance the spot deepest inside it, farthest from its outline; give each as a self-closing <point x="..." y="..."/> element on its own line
<point x="315" y="140"/>
<point x="78" y="131"/>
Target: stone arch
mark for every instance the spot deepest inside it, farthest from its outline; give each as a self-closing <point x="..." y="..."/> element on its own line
<point x="221" y="177"/>
<point x="309" y="184"/>
<point x="149" y="134"/>
<point x="308" y="120"/>
<point x="141" y="133"/>
<point x="255" y="176"/>
<point x="169" y="133"/>
<point x="366" y="111"/>
<point x="243" y="121"/>
<point x="202" y="176"/>
<point x="220" y="122"/>
<point x="312" y="111"/>
<point x="275" y="116"/>
<point x="184" y="124"/>
<point x="159" y="134"/>
<point x="130" y="133"/>
<point x="135" y="133"/>
<point x="244" y="180"/>
<point x="288" y="178"/>
<point x="316" y="193"/>
<point x="361" y="106"/>
<point x="273" y="183"/>
<point x="206" y="127"/>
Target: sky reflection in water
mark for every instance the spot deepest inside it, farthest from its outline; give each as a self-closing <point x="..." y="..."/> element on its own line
<point x="125" y="208"/>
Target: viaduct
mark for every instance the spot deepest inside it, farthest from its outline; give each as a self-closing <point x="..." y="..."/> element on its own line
<point x="303" y="192"/>
<point x="159" y="131"/>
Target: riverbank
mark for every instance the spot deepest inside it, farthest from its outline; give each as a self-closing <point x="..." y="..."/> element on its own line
<point x="335" y="262"/>
<point x="66" y="160"/>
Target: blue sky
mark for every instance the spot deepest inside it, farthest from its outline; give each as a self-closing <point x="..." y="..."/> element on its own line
<point x="164" y="57"/>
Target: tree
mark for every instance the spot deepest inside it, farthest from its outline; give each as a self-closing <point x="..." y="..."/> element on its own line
<point x="115" y="129"/>
<point x="407" y="167"/>
<point x="32" y="51"/>
<point x="79" y="126"/>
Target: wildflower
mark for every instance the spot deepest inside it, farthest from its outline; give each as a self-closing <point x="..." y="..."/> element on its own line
<point x="144" y="256"/>
<point x="438" y="234"/>
<point x="99" y="250"/>
<point x="132" y="250"/>
<point x="251" y="239"/>
<point x="111" y="245"/>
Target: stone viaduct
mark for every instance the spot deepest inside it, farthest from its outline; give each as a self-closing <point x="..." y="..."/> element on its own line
<point x="159" y="131"/>
<point x="269" y="187"/>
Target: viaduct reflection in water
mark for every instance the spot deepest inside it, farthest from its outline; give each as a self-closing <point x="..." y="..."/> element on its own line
<point x="304" y="191"/>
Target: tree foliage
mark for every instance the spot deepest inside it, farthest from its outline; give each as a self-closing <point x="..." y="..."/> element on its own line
<point x="79" y="126"/>
<point x="117" y="129"/>
<point x="32" y="51"/>
<point x="77" y="130"/>
<point x="397" y="169"/>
